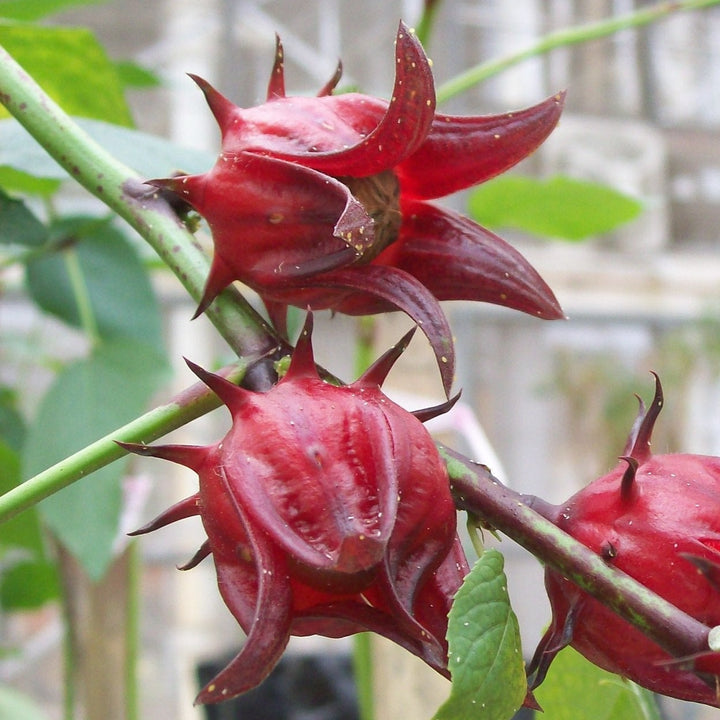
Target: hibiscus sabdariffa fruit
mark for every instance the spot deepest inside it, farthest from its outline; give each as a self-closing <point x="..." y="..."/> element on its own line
<point x="327" y="511"/>
<point x="321" y="201"/>
<point x="657" y="518"/>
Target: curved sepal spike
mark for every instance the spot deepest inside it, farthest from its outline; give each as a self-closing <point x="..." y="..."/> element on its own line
<point x="635" y="429"/>
<point x="552" y="642"/>
<point x="190" y="456"/>
<point x="276" y="85"/>
<point x="375" y="375"/>
<point x="425" y="414"/>
<point x="302" y="360"/>
<point x="641" y="447"/>
<point x="331" y="84"/>
<point x="628" y="478"/>
<point x="179" y="511"/>
<point x="222" y="109"/>
<point x="400" y="132"/>
<point x="220" y="276"/>
<point x="203" y="551"/>
<point x="708" y="568"/>
<point x="403" y="291"/>
<point x="233" y="396"/>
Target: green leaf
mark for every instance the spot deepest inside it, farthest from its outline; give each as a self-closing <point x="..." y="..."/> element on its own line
<point x="136" y="76"/>
<point x="485" y="659"/>
<point x="27" y="578"/>
<point x="16" y="705"/>
<point x="71" y="66"/>
<point x="18" y="224"/>
<point x="559" y="207"/>
<point x="149" y="155"/>
<point x="89" y="399"/>
<point x="24" y="183"/>
<point x="121" y="297"/>
<point x="35" y="9"/>
<point x="12" y="424"/>
<point x="575" y="689"/>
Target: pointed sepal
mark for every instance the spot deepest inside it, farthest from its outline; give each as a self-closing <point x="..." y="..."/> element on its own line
<point x="276" y="84"/>
<point x="190" y="456"/>
<point x="457" y="259"/>
<point x="375" y="375"/>
<point x="640" y="449"/>
<point x="302" y="361"/>
<point x="331" y="84"/>
<point x="425" y="414"/>
<point x="462" y="151"/>
<point x="179" y="511"/>
<point x="233" y="396"/>
<point x="402" y="129"/>
<point x="224" y="111"/>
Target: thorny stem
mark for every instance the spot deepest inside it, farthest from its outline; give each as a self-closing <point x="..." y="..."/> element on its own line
<point x="564" y="38"/>
<point x="123" y="190"/>
<point x="478" y="492"/>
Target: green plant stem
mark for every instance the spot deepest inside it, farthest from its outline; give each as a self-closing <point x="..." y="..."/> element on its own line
<point x="424" y="27"/>
<point x="143" y="207"/>
<point x="81" y="295"/>
<point x="362" y="669"/>
<point x="564" y="38"/>
<point x="195" y="401"/>
<point x="132" y="632"/>
<point x="478" y="492"/>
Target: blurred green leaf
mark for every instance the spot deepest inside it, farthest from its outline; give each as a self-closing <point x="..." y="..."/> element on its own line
<point x="27" y="578"/>
<point x="559" y="207"/>
<point x="35" y="9"/>
<point x="16" y="181"/>
<point x="19" y="225"/>
<point x="12" y="424"/>
<point x="136" y="76"/>
<point x="88" y="400"/>
<point x="149" y="155"/>
<point x="575" y="689"/>
<point x="71" y="66"/>
<point x="121" y="296"/>
<point x="14" y="705"/>
<point x="485" y="660"/>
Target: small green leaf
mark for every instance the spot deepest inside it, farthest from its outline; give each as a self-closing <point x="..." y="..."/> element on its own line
<point x="18" y="224"/>
<point x="149" y="155"/>
<point x="485" y="659"/>
<point x="89" y="399"/>
<point x="71" y="66"/>
<point x="559" y="207"/>
<point x="121" y="296"/>
<point x="575" y="689"/>
<point x="35" y="9"/>
<point x="27" y="578"/>
<point x="15" y="705"/>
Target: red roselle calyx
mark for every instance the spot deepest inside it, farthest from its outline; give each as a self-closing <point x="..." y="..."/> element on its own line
<point x="327" y="511"/>
<point x="657" y="518"/>
<point x="322" y="201"/>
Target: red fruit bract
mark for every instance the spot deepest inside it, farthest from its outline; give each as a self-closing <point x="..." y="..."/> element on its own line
<point x="310" y="196"/>
<point x="657" y="518"/>
<point x="327" y="511"/>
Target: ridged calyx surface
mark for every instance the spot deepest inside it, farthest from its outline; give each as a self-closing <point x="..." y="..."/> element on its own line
<point x="327" y="511"/>
<point x="322" y="201"/>
<point x="657" y="518"/>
